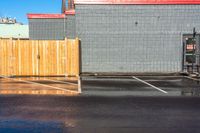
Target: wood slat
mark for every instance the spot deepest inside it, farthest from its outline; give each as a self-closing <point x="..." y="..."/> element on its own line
<point x="20" y="57"/>
<point x="73" y="54"/>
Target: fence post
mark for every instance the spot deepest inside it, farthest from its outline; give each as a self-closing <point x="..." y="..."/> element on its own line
<point x="79" y="84"/>
<point x="1" y="57"/>
<point x="65" y="42"/>
<point x="11" y="65"/>
<point x="77" y="57"/>
<point x="67" y="57"/>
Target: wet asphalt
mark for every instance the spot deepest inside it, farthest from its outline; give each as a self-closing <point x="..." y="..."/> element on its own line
<point x="108" y="105"/>
<point x="128" y="86"/>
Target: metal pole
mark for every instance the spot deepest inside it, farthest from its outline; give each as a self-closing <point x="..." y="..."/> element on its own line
<point x="64" y="26"/>
<point x="193" y="53"/>
<point x="193" y="58"/>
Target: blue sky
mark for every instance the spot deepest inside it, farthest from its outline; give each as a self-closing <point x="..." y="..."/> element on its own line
<point x="19" y="8"/>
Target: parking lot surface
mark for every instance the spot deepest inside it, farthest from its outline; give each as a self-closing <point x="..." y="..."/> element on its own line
<point x="57" y="114"/>
<point x="139" y="104"/>
<point x="141" y="86"/>
<point x="109" y="86"/>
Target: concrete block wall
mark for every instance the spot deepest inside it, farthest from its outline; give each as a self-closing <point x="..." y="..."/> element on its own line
<point x="52" y="29"/>
<point x="46" y="29"/>
<point x="70" y="27"/>
<point x="134" y="38"/>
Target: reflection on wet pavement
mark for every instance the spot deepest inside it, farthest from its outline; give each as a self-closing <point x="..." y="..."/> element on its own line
<point x="53" y="114"/>
<point x="26" y="126"/>
<point x="101" y="86"/>
<point x="34" y="85"/>
<point x="174" y="86"/>
<point x="107" y="105"/>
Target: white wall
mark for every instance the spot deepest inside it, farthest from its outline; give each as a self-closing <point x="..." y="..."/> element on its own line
<point x="14" y="30"/>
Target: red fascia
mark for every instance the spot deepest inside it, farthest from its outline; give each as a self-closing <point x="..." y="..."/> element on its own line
<point x="30" y="16"/>
<point x="70" y="12"/>
<point x="139" y="2"/>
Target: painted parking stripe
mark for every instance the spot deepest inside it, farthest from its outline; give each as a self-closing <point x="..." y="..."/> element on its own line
<point x="192" y="78"/>
<point x="150" y="85"/>
<point x="29" y="82"/>
<point x="57" y="81"/>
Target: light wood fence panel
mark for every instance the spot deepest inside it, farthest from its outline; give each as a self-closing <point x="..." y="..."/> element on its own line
<point x="5" y="57"/>
<point x="73" y="57"/>
<point x="52" y="58"/>
<point x="25" y="59"/>
<point x="39" y="58"/>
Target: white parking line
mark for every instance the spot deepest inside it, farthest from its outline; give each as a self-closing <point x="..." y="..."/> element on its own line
<point x="57" y="88"/>
<point x="57" y="81"/>
<point x="192" y="78"/>
<point x="150" y="85"/>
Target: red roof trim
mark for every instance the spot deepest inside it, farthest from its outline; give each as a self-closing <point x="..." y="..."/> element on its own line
<point x="141" y="2"/>
<point x="70" y="12"/>
<point x="45" y="16"/>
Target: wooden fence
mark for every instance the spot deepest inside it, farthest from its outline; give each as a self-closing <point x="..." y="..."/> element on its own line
<point x="39" y="57"/>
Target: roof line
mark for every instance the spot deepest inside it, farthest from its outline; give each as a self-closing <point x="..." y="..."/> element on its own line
<point x="70" y="12"/>
<point x="30" y="16"/>
<point x="139" y="2"/>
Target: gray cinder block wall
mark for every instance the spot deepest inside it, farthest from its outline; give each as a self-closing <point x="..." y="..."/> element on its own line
<point x="70" y="27"/>
<point x="46" y="29"/>
<point x="52" y="29"/>
<point x="134" y="38"/>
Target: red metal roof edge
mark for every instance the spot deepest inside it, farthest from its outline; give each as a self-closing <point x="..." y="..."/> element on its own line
<point x="139" y="2"/>
<point x="45" y="16"/>
<point x="70" y="12"/>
